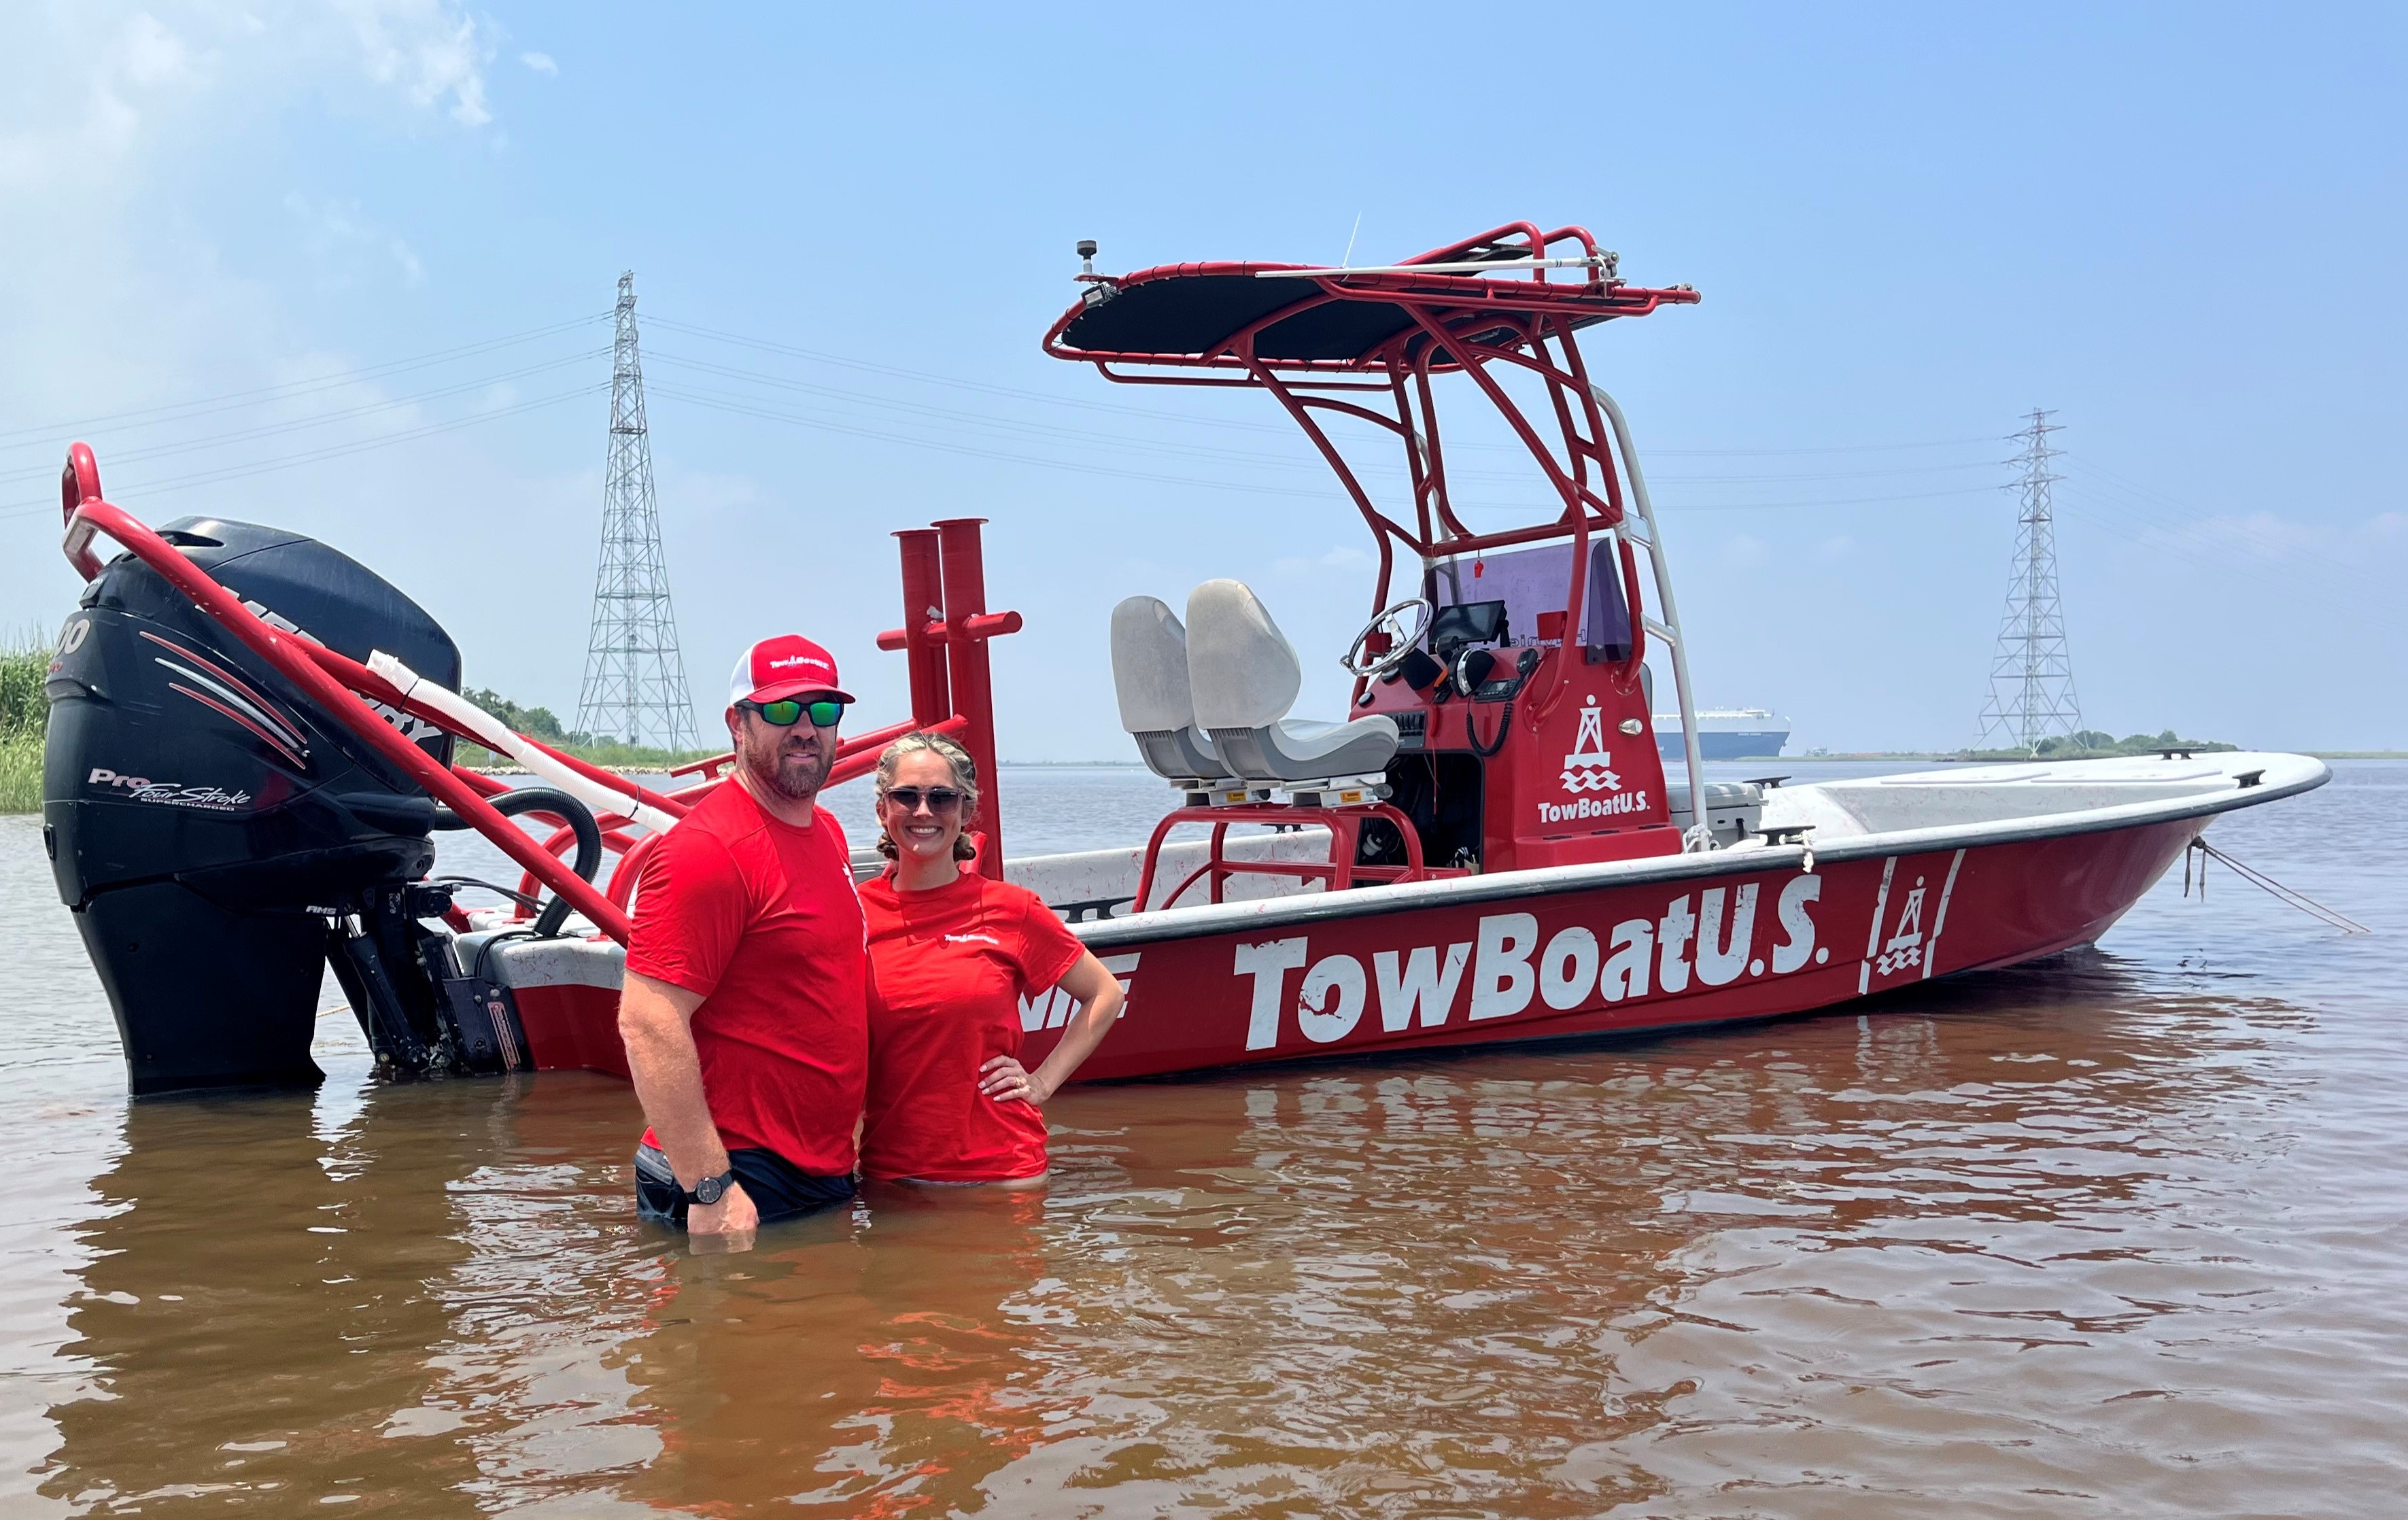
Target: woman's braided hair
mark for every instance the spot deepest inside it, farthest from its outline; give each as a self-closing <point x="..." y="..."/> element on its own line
<point x="965" y="777"/>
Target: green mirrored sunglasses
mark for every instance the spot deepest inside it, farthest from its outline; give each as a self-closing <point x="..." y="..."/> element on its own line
<point x="824" y="713"/>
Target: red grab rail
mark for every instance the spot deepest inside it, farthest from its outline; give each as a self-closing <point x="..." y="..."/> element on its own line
<point x="88" y="514"/>
<point x="949" y="647"/>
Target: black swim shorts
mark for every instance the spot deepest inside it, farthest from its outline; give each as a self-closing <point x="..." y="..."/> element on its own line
<point x="778" y="1188"/>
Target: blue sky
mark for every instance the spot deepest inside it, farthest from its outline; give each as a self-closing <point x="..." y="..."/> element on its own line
<point x="2176" y="226"/>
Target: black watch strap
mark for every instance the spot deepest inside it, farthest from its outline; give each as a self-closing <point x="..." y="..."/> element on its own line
<point x="711" y="1189"/>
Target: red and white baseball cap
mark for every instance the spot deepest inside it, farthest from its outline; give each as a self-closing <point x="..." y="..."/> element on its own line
<point x="787" y="665"/>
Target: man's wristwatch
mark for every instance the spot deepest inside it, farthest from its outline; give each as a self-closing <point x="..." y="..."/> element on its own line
<point x="711" y="1189"/>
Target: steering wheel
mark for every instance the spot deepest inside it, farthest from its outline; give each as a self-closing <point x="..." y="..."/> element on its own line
<point x="1360" y="663"/>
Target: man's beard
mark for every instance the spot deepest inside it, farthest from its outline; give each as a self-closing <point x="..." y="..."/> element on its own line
<point x="793" y="776"/>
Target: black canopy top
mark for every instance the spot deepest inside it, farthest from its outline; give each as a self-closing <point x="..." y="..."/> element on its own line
<point x="1203" y="313"/>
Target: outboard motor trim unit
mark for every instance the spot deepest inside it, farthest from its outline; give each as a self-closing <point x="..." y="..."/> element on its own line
<point x="219" y="839"/>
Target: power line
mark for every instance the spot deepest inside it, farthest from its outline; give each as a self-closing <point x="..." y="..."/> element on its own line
<point x="2305" y="579"/>
<point x="215" y="440"/>
<point x="1679" y="507"/>
<point x="906" y="411"/>
<point x="1829" y="449"/>
<point x="2272" y="550"/>
<point x="168" y="415"/>
<point x="926" y="377"/>
<point x="929" y="378"/>
<point x="235" y="399"/>
<point x="1329" y="493"/>
<point x="1125" y="443"/>
<point x="31" y="507"/>
<point x="823" y="424"/>
<point x="1119" y="441"/>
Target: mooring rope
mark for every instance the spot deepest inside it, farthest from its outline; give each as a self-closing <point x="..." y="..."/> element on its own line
<point x="2256" y="877"/>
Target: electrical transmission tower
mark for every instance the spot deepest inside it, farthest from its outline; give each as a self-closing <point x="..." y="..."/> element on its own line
<point x="2031" y="679"/>
<point x="634" y="678"/>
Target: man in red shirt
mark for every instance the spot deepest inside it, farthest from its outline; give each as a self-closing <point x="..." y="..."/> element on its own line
<point x="743" y="1010"/>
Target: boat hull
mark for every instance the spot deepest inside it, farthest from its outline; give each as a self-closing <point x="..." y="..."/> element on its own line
<point x="1694" y="940"/>
<point x="1731" y="945"/>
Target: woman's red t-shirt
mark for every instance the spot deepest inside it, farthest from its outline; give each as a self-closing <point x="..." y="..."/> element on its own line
<point x="947" y="968"/>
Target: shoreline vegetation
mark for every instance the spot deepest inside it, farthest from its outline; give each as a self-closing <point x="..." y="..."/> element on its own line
<point x="25" y="715"/>
<point x="2087" y="744"/>
<point x="542" y="722"/>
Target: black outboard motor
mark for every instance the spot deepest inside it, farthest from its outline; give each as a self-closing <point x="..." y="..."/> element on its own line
<point x="219" y="837"/>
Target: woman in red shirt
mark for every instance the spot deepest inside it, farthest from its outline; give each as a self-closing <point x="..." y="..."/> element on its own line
<point x="953" y="955"/>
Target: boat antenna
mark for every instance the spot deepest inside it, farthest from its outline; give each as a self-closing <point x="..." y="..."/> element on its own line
<point x="1086" y="256"/>
<point x="1350" y="241"/>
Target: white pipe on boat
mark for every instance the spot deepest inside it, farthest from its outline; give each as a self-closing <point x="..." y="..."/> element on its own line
<point x="1700" y="818"/>
<point x="488" y="730"/>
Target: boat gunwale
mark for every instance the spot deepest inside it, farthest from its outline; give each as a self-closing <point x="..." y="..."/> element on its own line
<point x="1209" y="919"/>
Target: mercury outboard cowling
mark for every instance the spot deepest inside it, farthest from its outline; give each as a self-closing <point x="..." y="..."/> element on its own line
<point x="218" y="836"/>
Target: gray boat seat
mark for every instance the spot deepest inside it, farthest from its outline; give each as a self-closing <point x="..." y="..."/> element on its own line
<point x="1150" y="674"/>
<point x="1734" y="809"/>
<point x="1244" y="676"/>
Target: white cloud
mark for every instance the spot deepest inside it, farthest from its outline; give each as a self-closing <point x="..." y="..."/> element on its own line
<point x="60" y="124"/>
<point x="1339" y="560"/>
<point x="153" y="55"/>
<point x="543" y="62"/>
<point x="117" y="80"/>
<point x="2362" y="553"/>
<point x="336" y="233"/>
<point x="114" y="154"/>
<point x="1745" y="549"/>
<point x="2242" y="534"/>
<point x="428" y="48"/>
<point x="696" y="491"/>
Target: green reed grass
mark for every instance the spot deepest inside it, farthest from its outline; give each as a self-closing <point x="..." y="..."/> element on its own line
<point x="24" y="716"/>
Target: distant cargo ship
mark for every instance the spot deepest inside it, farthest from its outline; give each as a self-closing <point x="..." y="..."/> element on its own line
<point x="1726" y="733"/>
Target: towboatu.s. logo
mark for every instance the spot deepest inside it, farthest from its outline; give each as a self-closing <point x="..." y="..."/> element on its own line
<point x="1900" y="945"/>
<point x="1510" y="963"/>
<point x="1590" y="767"/>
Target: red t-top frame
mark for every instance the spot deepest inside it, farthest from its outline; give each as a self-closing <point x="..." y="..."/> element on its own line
<point x="1460" y="317"/>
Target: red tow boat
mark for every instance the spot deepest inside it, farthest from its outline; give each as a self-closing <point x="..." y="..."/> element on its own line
<point x="1483" y="846"/>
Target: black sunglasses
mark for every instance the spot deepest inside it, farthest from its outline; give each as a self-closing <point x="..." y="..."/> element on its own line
<point x="824" y="713"/>
<point x="939" y="798"/>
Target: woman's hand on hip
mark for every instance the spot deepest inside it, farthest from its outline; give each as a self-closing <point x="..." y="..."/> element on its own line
<point x="1004" y="1079"/>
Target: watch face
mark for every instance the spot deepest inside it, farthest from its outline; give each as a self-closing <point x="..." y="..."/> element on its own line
<point x="709" y="1190"/>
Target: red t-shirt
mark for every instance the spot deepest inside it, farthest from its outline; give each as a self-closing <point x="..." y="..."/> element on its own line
<point x="947" y="968"/>
<point x="761" y="918"/>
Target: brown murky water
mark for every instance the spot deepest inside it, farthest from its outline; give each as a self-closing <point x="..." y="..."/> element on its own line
<point x="2122" y="1234"/>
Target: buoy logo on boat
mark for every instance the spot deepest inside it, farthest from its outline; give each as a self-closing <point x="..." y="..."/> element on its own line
<point x="1704" y="939"/>
<point x="1589" y="767"/>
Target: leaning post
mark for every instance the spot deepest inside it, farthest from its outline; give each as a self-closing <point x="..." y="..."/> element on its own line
<point x="968" y="627"/>
<point x="924" y="610"/>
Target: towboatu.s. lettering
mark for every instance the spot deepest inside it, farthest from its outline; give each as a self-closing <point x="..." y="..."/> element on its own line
<point x="1511" y="965"/>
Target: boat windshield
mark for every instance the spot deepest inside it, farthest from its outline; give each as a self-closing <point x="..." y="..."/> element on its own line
<point x="1532" y="581"/>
